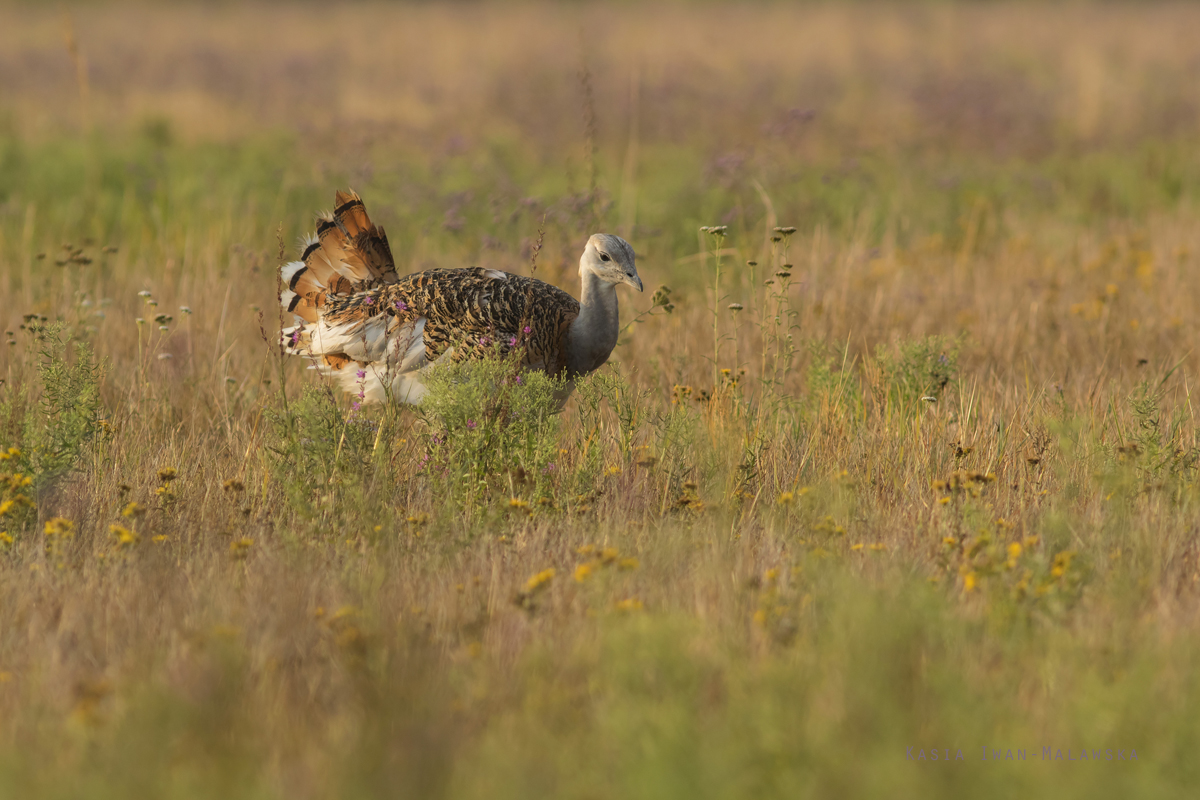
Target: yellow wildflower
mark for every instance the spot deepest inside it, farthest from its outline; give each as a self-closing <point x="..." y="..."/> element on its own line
<point x="582" y="572"/>
<point x="969" y="581"/>
<point x="345" y="612"/>
<point x="1062" y="562"/>
<point x="60" y="527"/>
<point x="629" y="605"/>
<point x="539" y="581"/>
<point x="133" y="510"/>
<point x="124" y="536"/>
<point x="167" y="474"/>
<point x="629" y="563"/>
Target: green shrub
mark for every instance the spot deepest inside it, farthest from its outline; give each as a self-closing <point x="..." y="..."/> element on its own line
<point x="69" y="414"/>
<point x="918" y="369"/>
<point x="491" y="428"/>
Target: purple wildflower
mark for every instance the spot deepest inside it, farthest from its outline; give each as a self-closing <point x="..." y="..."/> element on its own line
<point x="484" y="340"/>
<point x="355" y="405"/>
<point x="518" y="380"/>
<point x="295" y="337"/>
<point x="369" y="300"/>
<point x="401" y="305"/>
<point x="362" y="373"/>
<point x="527" y="329"/>
<point x="512" y="342"/>
<point x="471" y="424"/>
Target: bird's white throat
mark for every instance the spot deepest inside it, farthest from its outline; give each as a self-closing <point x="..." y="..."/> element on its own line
<point x="593" y="334"/>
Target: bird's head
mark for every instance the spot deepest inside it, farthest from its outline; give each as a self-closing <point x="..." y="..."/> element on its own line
<point x="611" y="259"/>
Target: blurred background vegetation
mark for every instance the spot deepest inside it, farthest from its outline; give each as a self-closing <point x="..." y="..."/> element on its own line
<point x="932" y="484"/>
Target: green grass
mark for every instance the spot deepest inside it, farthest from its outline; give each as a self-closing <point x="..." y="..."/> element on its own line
<point x="951" y="503"/>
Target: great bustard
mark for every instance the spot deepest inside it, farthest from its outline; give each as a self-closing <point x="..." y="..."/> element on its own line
<point x="374" y="332"/>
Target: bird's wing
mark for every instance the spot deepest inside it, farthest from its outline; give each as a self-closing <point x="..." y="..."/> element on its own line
<point x="459" y="313"/>
<point x="471" y="313"/>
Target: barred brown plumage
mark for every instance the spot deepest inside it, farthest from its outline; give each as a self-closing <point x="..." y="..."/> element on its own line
<point x="351" y="307"/>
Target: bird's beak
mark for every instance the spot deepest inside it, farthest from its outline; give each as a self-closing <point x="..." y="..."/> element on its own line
<point x="635" y="281"/>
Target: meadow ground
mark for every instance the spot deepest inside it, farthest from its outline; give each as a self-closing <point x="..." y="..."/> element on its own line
<point x="932" y="486"/>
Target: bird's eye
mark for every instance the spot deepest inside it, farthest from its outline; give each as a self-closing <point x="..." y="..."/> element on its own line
<point x="604" y="257"/>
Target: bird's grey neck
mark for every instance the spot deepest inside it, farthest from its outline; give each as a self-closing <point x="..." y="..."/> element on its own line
<point x="593" y="333"/>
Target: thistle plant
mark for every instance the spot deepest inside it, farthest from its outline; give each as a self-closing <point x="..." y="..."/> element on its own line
<point x="716" y="237"/>
<point x="776" y="328"/>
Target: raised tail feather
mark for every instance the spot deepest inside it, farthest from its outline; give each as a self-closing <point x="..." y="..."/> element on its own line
<point x="348" y="255"/>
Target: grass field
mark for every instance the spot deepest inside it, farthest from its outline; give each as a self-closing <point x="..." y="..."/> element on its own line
<point x="933" y="488"/>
